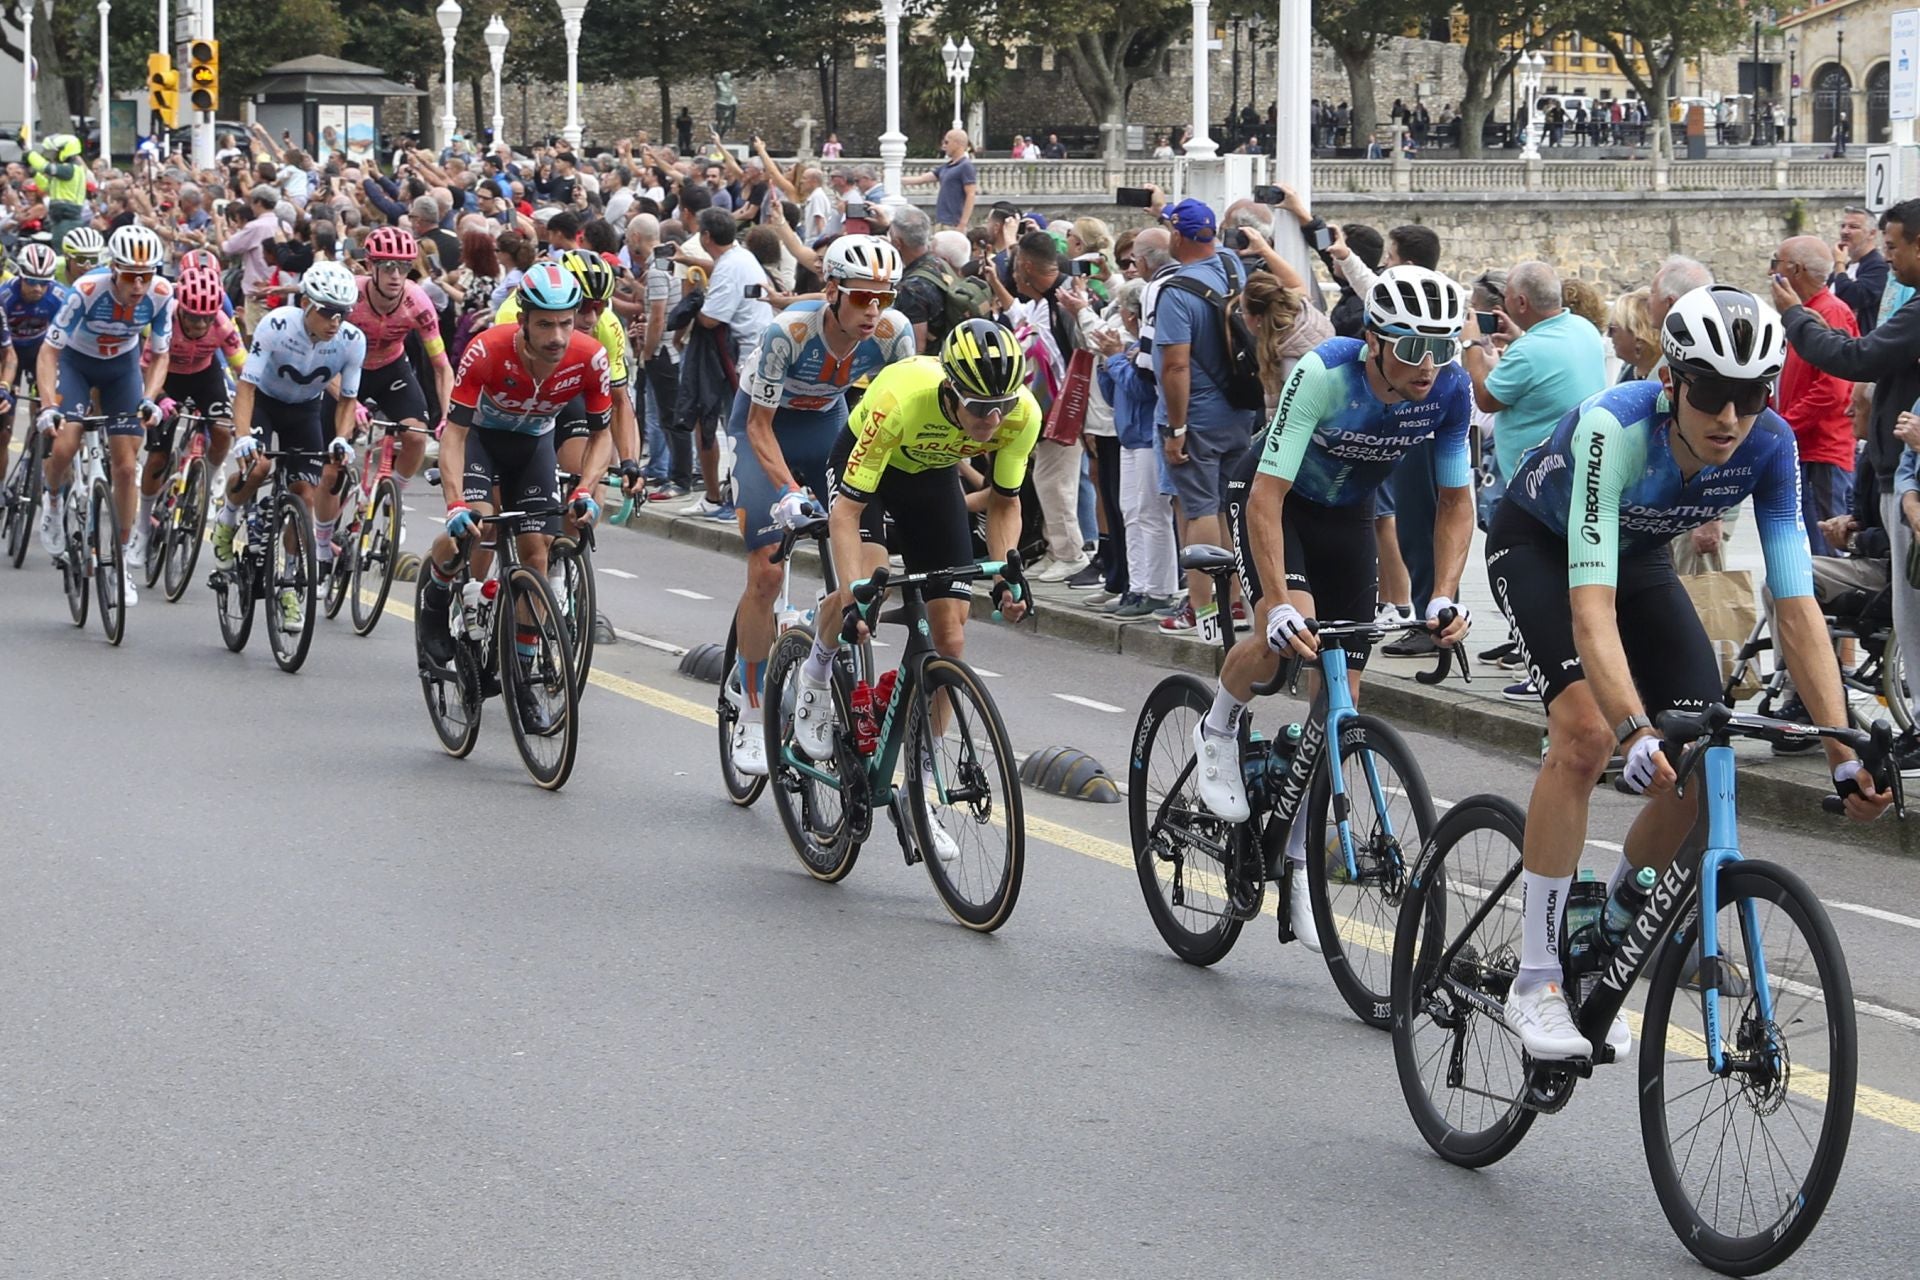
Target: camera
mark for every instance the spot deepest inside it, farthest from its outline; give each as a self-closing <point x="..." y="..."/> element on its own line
<point x="856" y="208"/>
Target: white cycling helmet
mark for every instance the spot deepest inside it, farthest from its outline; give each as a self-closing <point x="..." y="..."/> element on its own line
<point x="1720" y="330"/>
<point x="1416" y="302"/>
<point x="136" y="248"/>
<point x="84" y="244"/>
<point x="330" y="285"/>
<point x="863" y="258"/>
<point x="38" y="262"/>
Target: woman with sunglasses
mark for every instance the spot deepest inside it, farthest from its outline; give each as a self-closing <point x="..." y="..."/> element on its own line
<point x="791" y="408"/>
<point x="1578" y="558"/>
<point x="1302" y="509"/>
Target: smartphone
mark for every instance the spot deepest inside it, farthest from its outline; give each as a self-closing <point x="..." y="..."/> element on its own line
<point x="856" y="208"/>
<point x="664" y="252"/>
<point x="751" y="291"/>
<point x="1081" y="267"/>
<point x="1270" y="195"/>
<point x="1133" y="197"/>
<point x="1488" y="322"/>
<point x="1237" y="239"/>
<point x="1323" y="238"/>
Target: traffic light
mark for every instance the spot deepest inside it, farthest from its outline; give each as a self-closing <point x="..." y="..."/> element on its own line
<point x="163" y="88"/>
<point x="203" y="74"/>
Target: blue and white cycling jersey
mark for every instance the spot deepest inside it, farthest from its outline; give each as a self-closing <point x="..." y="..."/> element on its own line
<point x="1337" y="442"/>
<point x="794" y="369"/>
<point x="91" y="321"/>
<point x="28" y="322"/>
<point x="1606" y="481"/>
<point x="286" y="364"/>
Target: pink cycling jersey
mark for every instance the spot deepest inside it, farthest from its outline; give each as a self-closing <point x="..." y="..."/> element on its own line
<point x="387" y="334"/>
<point x="191" y="355"/>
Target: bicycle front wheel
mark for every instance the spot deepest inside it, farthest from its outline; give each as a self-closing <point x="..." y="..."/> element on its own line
<point x="965" y="788"/>
<point x="741" y="789"/>
<point x="570" y="564"/>
<point x="1356" y="906"/>
<point x="536" y="676"/>
<point x="23" y="498"/>
<point x="376" y="554"/>
<point x="805" y="791"/>
<point x="185" y="529"/>
<point x="1745" y="1161"/>
<point x="292" y="590"/>
<point x="1464" y="1075"/>
<point x="108" y="560"/>
<point x="1183" y="866"/>
<point x="74" y="564"/>
<point x="156" y="533"/>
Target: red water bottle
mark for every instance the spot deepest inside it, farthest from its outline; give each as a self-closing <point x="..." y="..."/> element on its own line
<point x="866" y="730"/>
<point x="883" y="695"/>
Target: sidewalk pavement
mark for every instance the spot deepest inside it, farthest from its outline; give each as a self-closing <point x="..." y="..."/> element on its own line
<point x="1782" y="789"/>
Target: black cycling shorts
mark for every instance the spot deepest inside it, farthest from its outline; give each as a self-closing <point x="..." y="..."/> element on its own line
<point x="393" y="392"/>
<point x="280" y="425"/>
<point x="521" y="467"/>
<point x="930" y="526"/>
<point x="1667" y="649"/>
<point x="1331" y="554"/>
<point x="572" y="422"/>
<point x="206" y="390"/>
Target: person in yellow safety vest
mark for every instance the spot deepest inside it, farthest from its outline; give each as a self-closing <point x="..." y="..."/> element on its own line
<point x="56" y="163"/>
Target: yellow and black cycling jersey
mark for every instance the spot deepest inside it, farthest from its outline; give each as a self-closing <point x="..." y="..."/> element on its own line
<point x="607" y="331"/>
<point x="900" y="423"/>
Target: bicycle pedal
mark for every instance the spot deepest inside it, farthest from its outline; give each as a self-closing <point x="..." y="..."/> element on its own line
<point x="902" y="829"/>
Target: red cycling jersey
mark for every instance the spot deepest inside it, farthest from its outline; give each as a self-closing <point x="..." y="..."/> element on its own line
<point x="192" y="355"/>
<point x="387" y="334"/>
<point x="494" y="392"/>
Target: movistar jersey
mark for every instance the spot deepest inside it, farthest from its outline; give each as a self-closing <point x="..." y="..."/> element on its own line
<point x="794" y="369"/>
<point x="286" y="364"/>
<point x="1606" y="481"/>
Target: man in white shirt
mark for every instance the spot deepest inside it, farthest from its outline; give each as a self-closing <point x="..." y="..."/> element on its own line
<point x="816" y="209"/>
<point x="736" y="289"/>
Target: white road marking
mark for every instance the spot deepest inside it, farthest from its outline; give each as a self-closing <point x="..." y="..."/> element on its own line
<point x="991" y="675"/>
<point x="1890" y="917"/>
<point x="634" y="637"/>
<point x="691" y="595"/>
<point x="1079" y="701"/>
<point x="619" y="573"/>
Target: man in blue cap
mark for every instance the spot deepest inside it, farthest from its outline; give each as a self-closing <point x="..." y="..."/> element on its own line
<point x="1203" y="435"/>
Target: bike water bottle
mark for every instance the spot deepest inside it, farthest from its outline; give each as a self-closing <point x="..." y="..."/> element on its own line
<point x="866" y="732"/>
<point x="1582" y="951"/>
<point x="1625" y="904"/>
<point x="883" y="695"/>
<point x="470" y="621"/>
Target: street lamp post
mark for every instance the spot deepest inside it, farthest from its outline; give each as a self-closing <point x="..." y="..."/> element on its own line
<point x="448" y="16"/>
<point x="571" y="11"/>
<point x="496" y="37"/>
<point x="893" y="143"/>
<point x="25" y="14"/>
<point x="1535" y="63"/>
<point x="959" y="66"/>
<point x="1793" y="85"/>
<point x="106" y="82"/>
<point x="1201" y="146"/>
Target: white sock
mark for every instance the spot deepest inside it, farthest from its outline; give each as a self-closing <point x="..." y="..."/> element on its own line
<point x="400" y="483"/>
<point x="1543" y="900"/>
<point x="229" y="514"/>
<point x="146" y="508"/>
<point x="819" y="664"/>
<point x="323" y="541"/>
<point x="1297" y="839"/>
<point x="1223" y="720"/>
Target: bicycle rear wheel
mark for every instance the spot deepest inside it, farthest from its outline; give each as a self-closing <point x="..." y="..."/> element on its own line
<point x="453" y="702"/>
<point x="73" y="564"/>
<point x="536" y="676"/>
<point x="741" y="789"/>
<point x="291" y="557"/>
<point x="23" y="497"/>
<point x="572" y="563"/>
<point x="156" y="532"/>
<point x="1463" y="1073"/>
<point x="811" y="807"/>
<point x="108" y="561"/>
<point x="1745" y="1162"/>
<point x="1184" y="869"/>
<point x="1356" y="910"/>
<point x="339" y="577"/>
<point x="376" y="553"/>
<point x="185" y="529"/>
<point x="965" y="787"/>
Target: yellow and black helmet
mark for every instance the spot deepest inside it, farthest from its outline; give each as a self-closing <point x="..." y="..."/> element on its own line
<point x="983" y="360"/>
<point x="592" y="271"/>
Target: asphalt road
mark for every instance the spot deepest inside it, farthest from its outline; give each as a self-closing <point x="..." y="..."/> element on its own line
<point x="289" y="992"/>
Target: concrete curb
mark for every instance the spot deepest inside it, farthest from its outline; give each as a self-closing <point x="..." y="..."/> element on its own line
<point x="1783" y="792"/>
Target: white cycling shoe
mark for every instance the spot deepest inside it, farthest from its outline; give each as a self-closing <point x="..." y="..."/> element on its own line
<point x="945" y="847"/>
<point x="137" y="547"/>
<point x="1620" y="1037"/>
<point x="1300" y="912"/>
<point x="813" y="716"/>
<point x="52" y="539"/>
<point x="749" y="750"/>
<point x="1216" y="774"/>
<point x="1544" y="1023"/>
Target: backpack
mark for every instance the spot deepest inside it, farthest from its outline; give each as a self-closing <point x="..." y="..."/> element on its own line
<point x="962" y="298"/>
<point x="1241" y="384"/>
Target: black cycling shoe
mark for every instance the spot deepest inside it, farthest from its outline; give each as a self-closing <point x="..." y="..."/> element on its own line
<point x="1415" y="644"/>
<point x="534" y="716"/>
<point x="435" y="636"/>
<point x="1796" y="711"/>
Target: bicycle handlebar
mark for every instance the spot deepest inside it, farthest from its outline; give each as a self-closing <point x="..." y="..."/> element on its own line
<point x="1681" y="731"/>
<point x="1372" y="631"/>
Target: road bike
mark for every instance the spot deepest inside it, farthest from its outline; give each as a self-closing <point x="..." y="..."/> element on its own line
<point x="367" y="534"/>
<point x="1747" y="1042"/>
<point x="273" y="561"/>
<point x="92" y="560"/>
<point x="1204" y="878"/>
<point x="179" y="521"/>
<point x="964" y="778"/>
<point x="20" y="496"/>
<point x="509" y="639"/>
<point x="570" y="570"/>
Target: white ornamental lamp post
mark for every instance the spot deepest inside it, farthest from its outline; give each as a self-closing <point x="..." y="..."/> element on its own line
<point x="1293" y="130"/>
<point x="1534" y="64"/>
<point x="496" y="36"/>
<point x="1201" y="146"/>
<point x="25" y="13"/>
<point x="448" y="16"/>
<point x="893" y="143"/>
<point x="106" y="93"/>
<point x="571" y="11"/>
<point x="959" y="66"/>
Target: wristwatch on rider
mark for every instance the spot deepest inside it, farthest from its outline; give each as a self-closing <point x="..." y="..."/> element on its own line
<point x="1630" y="726"/>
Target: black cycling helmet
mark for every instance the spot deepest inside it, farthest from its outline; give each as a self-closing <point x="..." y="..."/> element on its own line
<point x="983" y="360"/>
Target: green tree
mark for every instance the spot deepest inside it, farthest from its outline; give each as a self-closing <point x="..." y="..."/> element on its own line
<point x="1498" y="33"/>
<point x="1650" y="39"/>
<point x="1355" y="30"/>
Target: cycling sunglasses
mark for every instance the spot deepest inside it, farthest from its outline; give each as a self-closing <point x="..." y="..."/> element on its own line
<point x="1710" y="393"/>
<point x="332" y="312"/>
<point x="132" y="277"/>
<point x="882" y="298"/>
<point x="1412" y="349"/>
<point x="981" y="408"/>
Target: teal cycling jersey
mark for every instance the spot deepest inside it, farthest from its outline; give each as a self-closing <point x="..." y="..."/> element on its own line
<point x="1336" y="442"/>
<point x="1606" y="481"/>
